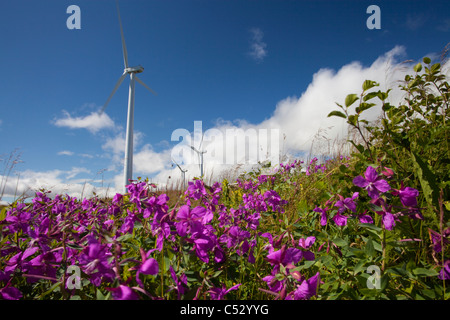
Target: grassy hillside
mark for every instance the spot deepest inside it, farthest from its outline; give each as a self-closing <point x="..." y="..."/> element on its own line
<point x="373" y="225"/>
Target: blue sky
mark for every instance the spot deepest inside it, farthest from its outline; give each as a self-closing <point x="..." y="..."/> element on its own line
<point x="235" y="63"/>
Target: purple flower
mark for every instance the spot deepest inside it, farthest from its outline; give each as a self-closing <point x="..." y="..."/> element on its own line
<point x="123" y="292"/>
<point x="408" y="196"/>
<point x="196" y="189"/>
<point x="436" y="239"/>
<point x="307" y="244"/>
<point x="270" y="245"/>
<point x="45" y="264"/>
<point x="18" y="260"/>
<point x="235" y="237"/>
<point x="273" y="283"/>
<point x="365" y="218"/>
<point x="18" y="219"/>
<point x="180" y="282"/>
<point x="191" y="220"/>
<point x="444" y="274"/>
<point x="203" y="243"/>
<point x="273" y="199"/>
<point x="340" y="220"/>
<point x="149" y="266"/>
<point x="308" y="288"/>
<point x="219" y="293"/>
<point x="347" y="203"/>
<point x="388" y="220"/>
<point x="323" y="215"/>
<point x="10" y="293"/>
<point x="372" y="183"/>
<point x="128" y="224"/>
<point x="94" y="260"/>
<point x="117" y="198"/>
<point x="285" y="256"/>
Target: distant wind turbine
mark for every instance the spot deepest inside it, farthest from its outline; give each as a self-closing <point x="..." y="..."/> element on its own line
<point x="183" y="172"/>
<point x="200" y="153"/>
<point x="132" y="71"/>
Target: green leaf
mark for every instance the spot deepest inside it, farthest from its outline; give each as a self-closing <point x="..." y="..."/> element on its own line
<point x="371" y="95"/>
<point x="125" y="237"/>
<point x="3" y="213"/>
<point x="100" y="295"/>
<point x="435" y="67"/>
<point x="353" y="119"/>
<point x="418" y="67"/>
<point x="447" y="205"/>
<point x="364" y="106"/>
<point x="340" y="242"/>
<point x="52" y="288"/>
<point x="425" y="272"/>
<point x="74" y="246"/>
<point x="350" y="99"/>
<point x="426" y="60"/>
<point x="369" y="84"/>
<point x="399" y="271"/>
<point x="359" y="267"/>
<point x="427" y="180"/>
<point x="370" y="249"/>
<point x="337" y="114"/>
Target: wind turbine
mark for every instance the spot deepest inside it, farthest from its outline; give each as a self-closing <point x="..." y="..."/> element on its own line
<point x="132" y="71"/>
<point x="200" y="153"/>
<point x="183" y="172"/>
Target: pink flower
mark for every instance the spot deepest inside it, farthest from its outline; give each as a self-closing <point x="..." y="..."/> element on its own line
<point x="372" y="183"/>
<point x="308" y="288"/>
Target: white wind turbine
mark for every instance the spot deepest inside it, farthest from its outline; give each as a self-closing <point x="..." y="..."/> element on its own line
<point x="132" y="71"/>
<point x="183" y="172"/>
<point x="200" y="153"/>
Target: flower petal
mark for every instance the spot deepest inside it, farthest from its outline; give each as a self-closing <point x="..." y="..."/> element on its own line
<point x="150" y="266"/>
<point x="371" y="174"/>
<point x="382" y="185"/>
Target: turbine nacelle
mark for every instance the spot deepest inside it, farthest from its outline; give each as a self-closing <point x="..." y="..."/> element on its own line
<point x="138" y="69"/>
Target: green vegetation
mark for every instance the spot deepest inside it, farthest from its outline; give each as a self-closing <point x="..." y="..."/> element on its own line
<point x="371" y="225"/>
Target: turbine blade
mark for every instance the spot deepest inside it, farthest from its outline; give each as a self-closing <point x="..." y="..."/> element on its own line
<point x="146" y="86"/>
<point x="119" y="82"/>
<point x="124" y="47"/>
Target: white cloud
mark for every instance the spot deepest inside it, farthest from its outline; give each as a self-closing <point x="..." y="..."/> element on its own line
<point x="29" y="182"/>
<point x="65" y="153"/>
<point x="93" y="122"/>
<point x="147" y="161"/>
<point x="76" y="171"/>
<point x="300" y="119"/>
<point x="258" y="48"/>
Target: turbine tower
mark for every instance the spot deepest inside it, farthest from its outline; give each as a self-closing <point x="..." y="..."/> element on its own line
<point x="132" y="71"/>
